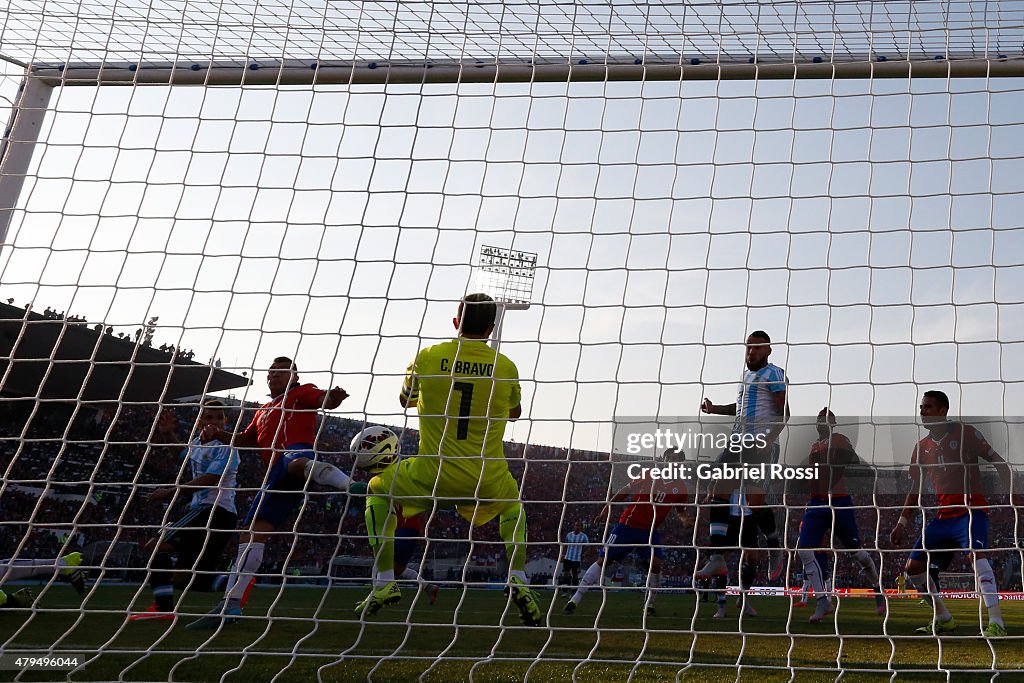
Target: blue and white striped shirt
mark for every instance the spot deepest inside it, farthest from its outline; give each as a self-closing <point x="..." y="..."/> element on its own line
<point x="576" y="542"/>
<point x="213" y="458"/>
<point x="755" y="404"/>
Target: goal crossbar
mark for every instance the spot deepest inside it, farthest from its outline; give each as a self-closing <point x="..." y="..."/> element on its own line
<point x="308" y="72"/>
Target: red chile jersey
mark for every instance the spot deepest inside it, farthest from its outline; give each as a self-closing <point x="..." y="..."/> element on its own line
<point x="951" y="465"/>
<point x="652" y="500"/>
<point x="819" y="458"/>
<point x="287" y="420"/>
<point x="416" y="522"/>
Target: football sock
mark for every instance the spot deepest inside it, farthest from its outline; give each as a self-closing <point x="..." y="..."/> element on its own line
<point x="926" y="585"/>
<point x="327" y="475"/>
<point x="812" y="571"/>
<point x="989" y="591"/>
<point x="14" y="570"/>
<point x="512" y="527"/>
<point x="250" y="557"/>
<point x="590" y="578"/>
<point x="868" y="565"/>
<point x="160" y="581"/>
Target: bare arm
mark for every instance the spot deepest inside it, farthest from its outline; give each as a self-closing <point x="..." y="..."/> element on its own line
<point x="712" y="409"/>
<point x="782" y="408"/>
<point x="201" y="482"/>
<point x="334" y="397"/>
<point x="910" y="505"/>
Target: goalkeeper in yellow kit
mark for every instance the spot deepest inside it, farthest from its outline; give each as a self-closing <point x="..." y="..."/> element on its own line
<point x="465" y="392"/>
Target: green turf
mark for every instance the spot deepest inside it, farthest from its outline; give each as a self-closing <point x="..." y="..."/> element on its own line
<point x="293" y="647"/>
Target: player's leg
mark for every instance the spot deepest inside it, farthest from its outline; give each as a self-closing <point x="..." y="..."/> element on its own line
<point x="183" y="538"/>
<point x="763" y="515"/>
<point x="613" y="551"/>
<point x="750" y="559"/>
<point x="307" y="467"/>
<point x="718" y="526"/>
<point x="817" y="519"/>
<point x="406" y="546"/>
<point x="720" y="581"/>
<point x="844" y="528"/>
<point x="937" y="533"/>
<point x="653" y="577"/>
<point x="381" y="525"/>
<point x="68" y="567"/>
<point x="161" y="578"/>
<point x="272" y="509"/>
<point x="512" y="527"/>
<point x="574" y="573"/>
<point x="805" y="590"/>
<point x="221" y="529"/>
<point x="977" y="539"/>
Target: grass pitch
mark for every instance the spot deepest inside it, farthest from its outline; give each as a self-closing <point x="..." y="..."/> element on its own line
<point x="314" y="635"/>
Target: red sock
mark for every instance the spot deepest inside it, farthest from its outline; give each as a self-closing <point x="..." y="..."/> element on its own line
<point x="248" y="589"/>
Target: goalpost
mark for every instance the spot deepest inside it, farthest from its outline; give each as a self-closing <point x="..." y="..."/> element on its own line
<point x="188" y="191"/>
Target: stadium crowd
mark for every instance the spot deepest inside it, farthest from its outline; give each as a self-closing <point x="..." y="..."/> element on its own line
<point x="81" y="483"/>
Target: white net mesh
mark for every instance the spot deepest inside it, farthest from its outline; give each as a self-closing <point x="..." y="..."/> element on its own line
<point x="166" y="243"/>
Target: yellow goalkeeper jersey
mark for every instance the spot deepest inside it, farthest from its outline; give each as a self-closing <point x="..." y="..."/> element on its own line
<point x="464" y="391"/>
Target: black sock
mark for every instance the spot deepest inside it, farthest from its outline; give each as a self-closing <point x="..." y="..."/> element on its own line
<point x="765" y="519"/>
<point x="160" y="581"/>
<point x="718" y="513"/>
<point x="748" y="572"/>
<point x="720" y="585"/>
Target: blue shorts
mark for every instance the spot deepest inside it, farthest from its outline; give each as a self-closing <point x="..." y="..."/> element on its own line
<point x="624" y="540"/>
<point x="282" y="494"/>
<point x="966" y="532"/>
<point x="819" y="517"/>
<point x="406" y="541"/>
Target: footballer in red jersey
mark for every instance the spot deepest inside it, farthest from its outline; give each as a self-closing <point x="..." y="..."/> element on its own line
<point x="650" y="501"/>
<point x="284" y="429"/>
<point x="831" y="507"/>
<point x="950" y="456"/>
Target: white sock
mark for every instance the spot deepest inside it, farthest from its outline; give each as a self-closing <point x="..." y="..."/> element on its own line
<point x="409" y="575"/>
<point x="868" y="565"/>
<point x="805" y="591"/>
<point x="924" y="582"/>
<point x="828" y="585"/>
<point x="14" y="570"/>
<point x="327" y="474"/>
<point x="989" y="591"/>
<point x="811" y="570"/>
<point x="250" y="557"/>
<point x="590" y="578"/>
<point x="653" y="584"/>
<point x="382" y="578"/>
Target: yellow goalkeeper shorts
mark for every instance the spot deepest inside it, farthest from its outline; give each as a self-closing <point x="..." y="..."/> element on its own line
<point x="415" y="485"/>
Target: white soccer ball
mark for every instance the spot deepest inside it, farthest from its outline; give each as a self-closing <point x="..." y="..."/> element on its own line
<point x="374" y="448"/>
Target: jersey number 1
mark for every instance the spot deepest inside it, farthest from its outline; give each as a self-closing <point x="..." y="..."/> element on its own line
<point x="465" y="390"/>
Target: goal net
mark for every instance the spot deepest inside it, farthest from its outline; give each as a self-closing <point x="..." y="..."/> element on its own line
<point x="190" y="192"/>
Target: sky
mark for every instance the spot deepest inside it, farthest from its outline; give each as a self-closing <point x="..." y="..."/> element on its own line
<point x="873" y="228"/>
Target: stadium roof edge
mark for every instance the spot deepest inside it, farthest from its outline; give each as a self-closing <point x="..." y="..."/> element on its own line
<point x="56" y="359"/>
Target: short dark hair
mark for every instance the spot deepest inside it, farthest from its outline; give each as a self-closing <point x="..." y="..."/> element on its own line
<point x="939" y="396"/>
<point x="289" y="361"/>
<point x="760" y="334"/>
<point x="477" y="313"/>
